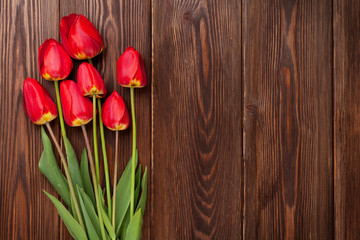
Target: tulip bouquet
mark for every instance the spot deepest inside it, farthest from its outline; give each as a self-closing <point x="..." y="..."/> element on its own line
<point x="92" y="212"/>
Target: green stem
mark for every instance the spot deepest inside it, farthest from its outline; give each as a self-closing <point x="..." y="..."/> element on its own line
<point x="90" y="61"/>
<point x="91" y="161"/>
<point x="67" y="174"/>
<point x="133" y="153"/>
<point x="62" y="125"/>
<point x="115" y="176"/>
<point x="108" y="193"/>
<point x="95" y="141"/>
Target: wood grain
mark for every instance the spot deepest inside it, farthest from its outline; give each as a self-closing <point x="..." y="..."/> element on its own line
<point x="248" y="125"/>
<point x="197" y="105"/>
<point x="288" y="132"/>
<point x="25" y="212"/>
<point x="347" y="118"/>
<point x="121" y="24"/>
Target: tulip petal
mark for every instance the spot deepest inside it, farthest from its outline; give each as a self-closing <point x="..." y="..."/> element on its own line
<point x="127" y="66"/>
<point x="54" y="62"/>
<point x="38" y="105"/>
<point x="114" y="113"/>
<point x="90" y="81"/>
<point x="42" y="50"/>
<point x="65" y="24"/>
<point x="130" y="69"/>
<point x="90" y="29"/>
<point x="77" y="108"/>
<point x="66" y="102"/>
<point x="51" y="57"/>
<point x="80" y="37"/>
<point x="82" y="44"/>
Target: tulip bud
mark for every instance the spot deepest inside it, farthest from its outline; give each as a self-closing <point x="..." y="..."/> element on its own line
<point x="38" y="105"/>
<point x="114" y="113"/>
<point x="130" y="69"/>
<point x="90" y="81"/>
<point x="79" y="37"/>
<point x="54" y="62"/>
<point x="77" y="109"/>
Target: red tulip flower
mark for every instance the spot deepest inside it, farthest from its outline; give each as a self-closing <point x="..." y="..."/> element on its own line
<point x="90" y="81"/>
<point x="77" y="109"/>
<point x="130" y="69"/>
<point x="114" y="113"/>
<point x="54" y="62"/>
<point x="38" y="105"/>
<point x="79" y="37"/>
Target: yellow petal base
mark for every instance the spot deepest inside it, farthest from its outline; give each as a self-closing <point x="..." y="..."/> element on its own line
<point x="47" y="117"/>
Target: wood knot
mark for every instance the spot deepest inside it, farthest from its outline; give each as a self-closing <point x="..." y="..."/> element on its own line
<point x="188" y="16"/>
<point x="250" y="108"/>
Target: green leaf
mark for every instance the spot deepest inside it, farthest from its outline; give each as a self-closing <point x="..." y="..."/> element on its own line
<point x="126" y="220"/>
<point x="107" y="224"/>
<point x="49" y="167"/>
<point x="123" y="195"/>
<point x="142" y="201"/>
<point x="84" y="168"/>
<point x="106" y="220"/>
<point x="91" y="211"/>
<point x="73" y="164"/>
<point x="102" y="198"/>
<point x="89" y="226"/>
<point x="72" y="209"/>
<point x="137" y="184"/>
<point x="72" y="225"/>
<point x="125" y="224"/>
<point x="133" y="231"/>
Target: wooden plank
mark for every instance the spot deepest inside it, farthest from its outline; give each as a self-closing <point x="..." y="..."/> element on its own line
<point x="197" y="120"/>
<point x="288" y="119"/>
<point x="347" y="118"/>
<point x="121" y="24"/>
<point x="25" y="212"/>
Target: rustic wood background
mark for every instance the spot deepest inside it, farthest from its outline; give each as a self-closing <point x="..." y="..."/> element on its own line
<point x="250" y="123"/>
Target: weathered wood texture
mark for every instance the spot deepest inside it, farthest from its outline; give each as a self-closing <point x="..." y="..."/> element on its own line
<point x="249" y="123"/>
<point x="25" y="212"/>
<point x="288" y="136"/>
<point x="197" y="126"/>
<point x="347" y="118"/>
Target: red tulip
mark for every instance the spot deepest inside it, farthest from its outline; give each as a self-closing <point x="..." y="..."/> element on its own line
<point x="38" y="105"/>
<point x="54" y="62"/>
<point x="130" y="69"/>
<point x="77" y="109"/>
<point x="90" y="81"/>
<point x="79" y="37"/>
<point x="114" y="113"/>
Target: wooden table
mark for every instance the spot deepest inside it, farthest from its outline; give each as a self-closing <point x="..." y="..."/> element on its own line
<point x="250" y="123"/>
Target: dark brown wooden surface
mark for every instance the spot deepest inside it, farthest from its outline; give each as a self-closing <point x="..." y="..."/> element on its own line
<point x="249" y="124"/>
<point x="347" y="118"/>
<point x="288" y="136"/>
<point x="197" y="136"/>
<point x="25" y="212"/>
